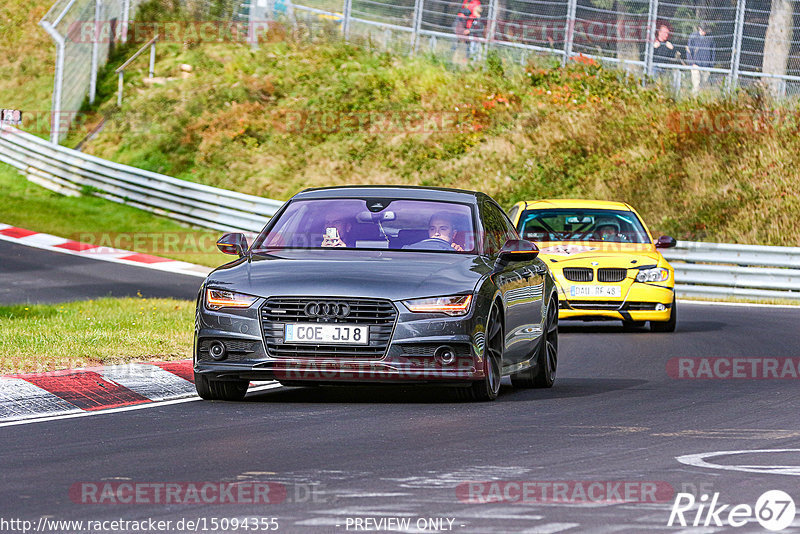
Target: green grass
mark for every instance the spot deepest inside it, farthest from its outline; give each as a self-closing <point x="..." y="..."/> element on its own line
<point x="37" y="338"/>
<point x="96" y="220"/>
<point x="263" y="122"/>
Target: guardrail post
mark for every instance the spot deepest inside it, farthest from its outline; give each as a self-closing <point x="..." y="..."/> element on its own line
<point x="152" y="59"/>
<point x="348" y="6"/>
<point x="569" y="30"/>
<point x="120" y="84"/>
<point x="652" y="17"/>
<point x="736" y="48"/>
<point x="418" y="7"/>
<point x="491" y="27"/>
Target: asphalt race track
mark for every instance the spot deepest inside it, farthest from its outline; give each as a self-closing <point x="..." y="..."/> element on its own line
<point x="336" y="455"/>
<point x="30" y="275"/>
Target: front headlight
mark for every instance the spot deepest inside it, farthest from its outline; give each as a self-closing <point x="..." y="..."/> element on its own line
<point x="454" y="305"/>
<point x="217" y="298"/>
<point x="657" y="274"/>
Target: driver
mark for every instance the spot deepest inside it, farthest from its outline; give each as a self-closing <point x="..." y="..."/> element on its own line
<point x="336" y="229"/>
<point x="607" y="230"/>
<point x="441" y="227"/>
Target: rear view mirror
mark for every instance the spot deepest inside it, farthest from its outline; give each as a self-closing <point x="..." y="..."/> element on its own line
<point x="666" y="241"/>
<point x="233" y="244"/>
<point x="579" y="220"/>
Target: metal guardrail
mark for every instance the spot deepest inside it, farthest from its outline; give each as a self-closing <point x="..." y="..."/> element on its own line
<point x="71" y="172"/>
<point x="719" y="270"/>
<point x="709" y="270"/>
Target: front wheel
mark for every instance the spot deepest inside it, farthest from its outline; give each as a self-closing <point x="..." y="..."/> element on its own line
<point x="543" y="375"/>
<point x="669" y="325"/>
<point x="229" y="390"/>
<point x="488" y="388"/>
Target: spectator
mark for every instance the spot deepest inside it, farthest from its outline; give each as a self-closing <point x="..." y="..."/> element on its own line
<point x="663" y="49"/>
<point x="700" y="52"/>
<point x="475" y="29"/>
<point x="462" y="25"/>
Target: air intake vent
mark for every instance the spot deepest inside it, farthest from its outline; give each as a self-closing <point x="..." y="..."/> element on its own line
<point x="578" y="274"/>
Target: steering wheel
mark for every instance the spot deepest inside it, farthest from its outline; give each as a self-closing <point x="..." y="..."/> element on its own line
<point x="432" y="243"/>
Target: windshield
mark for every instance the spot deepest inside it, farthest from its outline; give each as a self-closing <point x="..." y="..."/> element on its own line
<point x="353" y="223"/>
<point x="582" y="225"/>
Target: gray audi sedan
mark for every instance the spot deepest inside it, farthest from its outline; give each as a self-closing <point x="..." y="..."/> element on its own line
<point x="349" y="285"/>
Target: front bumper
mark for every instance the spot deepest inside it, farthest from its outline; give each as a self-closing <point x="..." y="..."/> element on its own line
<point x="409" y="357"/>
<point x="637" y="304"/>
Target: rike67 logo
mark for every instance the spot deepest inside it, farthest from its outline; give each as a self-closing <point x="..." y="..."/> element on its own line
<point x="774" y="510"/>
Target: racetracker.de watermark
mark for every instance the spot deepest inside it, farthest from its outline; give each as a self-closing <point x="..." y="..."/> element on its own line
<point x="733" y="368"/>
<point x="564" y="492"/>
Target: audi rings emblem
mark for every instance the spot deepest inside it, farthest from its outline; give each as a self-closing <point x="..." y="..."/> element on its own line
<point x="329" y="310"/>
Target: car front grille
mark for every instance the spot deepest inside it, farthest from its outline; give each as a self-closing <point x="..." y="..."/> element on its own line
<point x="578" y="274"/>
<point x="379" y="315"/>
<point x="611" y="274"/>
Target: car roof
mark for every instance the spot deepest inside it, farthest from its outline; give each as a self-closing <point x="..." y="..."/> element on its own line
<point x="576" y="203"/>
<point x="394" y="191"/>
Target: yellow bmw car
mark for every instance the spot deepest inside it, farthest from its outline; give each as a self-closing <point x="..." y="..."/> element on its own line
<point x="604" y="260"/>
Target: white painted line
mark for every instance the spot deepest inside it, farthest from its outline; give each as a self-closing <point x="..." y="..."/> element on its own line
<point x="124" y="408"/>
<point x="713" y="303"/>
<point x="551" y="528"/>
<point x="699" y="460"/>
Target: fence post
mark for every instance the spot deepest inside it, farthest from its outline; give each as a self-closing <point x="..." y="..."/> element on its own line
<point x="491" y="28"/>
<point x="416" y="25"/>
<point x="58" y="81"/>
<point x="98" y="7"/>
<point x="348" y="6"/>
<point x="255" y="19"/>
<point x="569" y="30"/>
<point x="736" y="49"/>
<point x="125" y="18"/>
<point x="652" y="18"/>
<point x="152" y="59"/>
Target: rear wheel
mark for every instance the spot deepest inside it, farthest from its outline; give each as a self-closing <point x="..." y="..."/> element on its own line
<point x="666" y="326"/>
<point x="543" y="374"/>
<point x="488" y="388"/>
<point x="229" y="390"/>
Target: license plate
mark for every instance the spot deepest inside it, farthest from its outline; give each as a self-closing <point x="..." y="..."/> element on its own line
<point x="596" y="291"/>
<point x="326" y="333"/>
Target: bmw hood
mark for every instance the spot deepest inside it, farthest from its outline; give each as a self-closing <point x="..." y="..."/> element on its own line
<point x="625" y="255"/>
<point x="394" y="275"/>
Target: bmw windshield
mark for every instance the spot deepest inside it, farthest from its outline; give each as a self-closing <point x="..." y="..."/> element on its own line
<point x="582" y="225"/>
<point x="352" y="223"/>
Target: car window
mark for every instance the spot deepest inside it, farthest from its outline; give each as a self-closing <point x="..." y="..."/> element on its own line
<point x="353" y="223"/>
<point x="497" y="228"/>
<point x="582" y="225"/>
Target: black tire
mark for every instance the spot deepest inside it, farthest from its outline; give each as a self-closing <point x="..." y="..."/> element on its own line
<point x="630" y="325"/>
<point x="667" y="326"/>
<point x="229" y="390"/>
<point x="548" y="354"/>
<point x="543" y="375"/>
<point x="488" y="388"/>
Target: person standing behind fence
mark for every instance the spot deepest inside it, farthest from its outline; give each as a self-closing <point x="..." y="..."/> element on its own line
<point x="476" y="29"/>
<point x="663" y="49"/>
<point x="700" y="52"/>
<point x="461" y="27"/>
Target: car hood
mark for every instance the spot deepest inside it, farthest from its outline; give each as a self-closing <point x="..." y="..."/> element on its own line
<point x="394" y="275"/>
<point x="580" y="254"/>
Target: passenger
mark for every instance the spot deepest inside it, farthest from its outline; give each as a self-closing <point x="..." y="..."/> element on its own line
<point x="441" y="226"/>
<point x="337" y="230"/>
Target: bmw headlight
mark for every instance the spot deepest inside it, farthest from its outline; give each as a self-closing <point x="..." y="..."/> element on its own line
<point x="454" y="305"/>
<point x="217" y="298"/>
<point x="656" y="274"/>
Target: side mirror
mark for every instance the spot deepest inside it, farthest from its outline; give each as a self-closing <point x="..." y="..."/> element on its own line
<point x="233" y="244"/>
<point x="518" y="250"/>
<point x="666" y="241"/>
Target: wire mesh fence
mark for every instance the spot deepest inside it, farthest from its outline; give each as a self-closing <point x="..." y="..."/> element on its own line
<point x="693" y="46"/>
